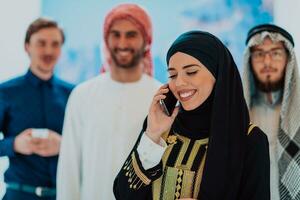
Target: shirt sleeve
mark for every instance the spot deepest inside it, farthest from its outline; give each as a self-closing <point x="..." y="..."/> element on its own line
<point x="6" y="144"/>
<point x="7" y="147"/>
<point x="2" y="110"/>
<point x="149" y="152"/>
<point x="69" y="163"/>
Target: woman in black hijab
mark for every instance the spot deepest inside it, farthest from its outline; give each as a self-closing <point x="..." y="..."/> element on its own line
<point x="206" y="149"/>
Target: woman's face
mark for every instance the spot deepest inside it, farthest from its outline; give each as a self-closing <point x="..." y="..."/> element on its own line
<point x="189" y="80"/>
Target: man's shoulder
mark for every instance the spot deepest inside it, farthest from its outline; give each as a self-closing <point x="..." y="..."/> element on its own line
<point x="90" y="85"/>
<point x="95" y="81"/>
<point x="12" y="83"/>
<point x="64" y="84"/>
<point x="151" y="81"/>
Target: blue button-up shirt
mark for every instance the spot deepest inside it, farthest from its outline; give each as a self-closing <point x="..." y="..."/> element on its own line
<point x="29" y="102"/>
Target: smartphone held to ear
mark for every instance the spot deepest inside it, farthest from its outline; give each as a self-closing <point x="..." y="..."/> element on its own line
<point x="168" y="104"/>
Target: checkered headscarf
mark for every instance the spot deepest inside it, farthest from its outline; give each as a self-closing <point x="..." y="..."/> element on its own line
<point x="288" y="133"/>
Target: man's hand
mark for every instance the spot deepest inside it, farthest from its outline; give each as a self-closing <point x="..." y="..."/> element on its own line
<point x="23" y="143"/>
<point x="46" y="147"/>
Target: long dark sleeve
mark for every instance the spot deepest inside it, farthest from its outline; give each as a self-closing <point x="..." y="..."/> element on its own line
<point x="7" y="143"/>
<point x="255" y="183"/>
<point x="133" y="181"/>
<point x="29" y="102"/>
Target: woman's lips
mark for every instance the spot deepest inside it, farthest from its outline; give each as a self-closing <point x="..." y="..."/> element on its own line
<point x="186" y="95"/>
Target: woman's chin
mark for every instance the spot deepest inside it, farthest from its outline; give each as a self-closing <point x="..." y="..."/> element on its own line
<point x="188" y="107"/>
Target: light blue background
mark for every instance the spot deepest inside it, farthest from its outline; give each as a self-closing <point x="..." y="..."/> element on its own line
<point x="83" y="20"/>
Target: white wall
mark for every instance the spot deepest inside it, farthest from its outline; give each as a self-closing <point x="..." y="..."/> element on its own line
<point x="287" y="15"/>
<point x="15" y="16"/>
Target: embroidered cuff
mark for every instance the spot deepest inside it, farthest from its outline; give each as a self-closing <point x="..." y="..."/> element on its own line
<point x="149" y="152"/>
<point x="136" y="175"/>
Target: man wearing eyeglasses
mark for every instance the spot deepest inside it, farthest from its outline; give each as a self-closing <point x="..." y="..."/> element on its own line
<point x="272" y="91"/>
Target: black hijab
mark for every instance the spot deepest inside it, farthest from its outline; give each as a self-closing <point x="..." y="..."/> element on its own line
<point x="229" y="115"/>
<point x="195" y="124"/>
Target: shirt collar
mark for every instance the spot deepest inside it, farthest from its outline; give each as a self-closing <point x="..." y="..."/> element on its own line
<point x="36" y="81"/>
<point x="276" y="97"/>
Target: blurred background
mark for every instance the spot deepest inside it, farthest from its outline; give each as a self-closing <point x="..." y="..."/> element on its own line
<point x="82" y="21"/>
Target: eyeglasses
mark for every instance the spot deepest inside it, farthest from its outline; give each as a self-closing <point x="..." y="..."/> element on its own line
<point x="275" y="54"/>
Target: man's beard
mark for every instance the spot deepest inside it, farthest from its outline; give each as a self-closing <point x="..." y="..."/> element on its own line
<point x="137" y="56"/>
<point x="269" y="86"/>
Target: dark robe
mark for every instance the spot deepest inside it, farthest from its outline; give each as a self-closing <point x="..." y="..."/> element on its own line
<point x="180" y="172"/>
<point x="213" y="153"/>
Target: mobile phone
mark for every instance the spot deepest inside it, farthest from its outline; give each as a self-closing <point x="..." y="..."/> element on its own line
<point x="168" y="104"/>
<point x="40" y="133"/>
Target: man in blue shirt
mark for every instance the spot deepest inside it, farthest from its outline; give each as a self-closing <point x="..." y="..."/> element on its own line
<point x="32" y="110"/>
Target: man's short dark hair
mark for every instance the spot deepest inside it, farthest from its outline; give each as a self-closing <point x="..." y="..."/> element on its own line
<point x="42" y="23"/>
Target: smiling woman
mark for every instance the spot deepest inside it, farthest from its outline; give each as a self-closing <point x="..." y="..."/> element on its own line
<point x="206" y="149"/>
<point x="190" y="81"/>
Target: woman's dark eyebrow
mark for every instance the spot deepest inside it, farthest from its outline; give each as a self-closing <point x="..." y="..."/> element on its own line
<point x="184" y="67"/>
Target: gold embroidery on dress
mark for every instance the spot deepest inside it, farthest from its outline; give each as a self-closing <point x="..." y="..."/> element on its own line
<point x="178" y="184"/>
<point x="199" y="175"/>
<point x="179" y="181"/>
<point x="156" y="187"/>
<point x="138" y="171"/>
<point x="195" y="151"/>
<point x="183" y="149"/>
<point x="172" y="139"/>
<point x="135" y="176"/>
<point x="165" y="135"/>
<point x="187" y="184"/>
<point x="251" y="126"/>
<point x="169" y="184"/>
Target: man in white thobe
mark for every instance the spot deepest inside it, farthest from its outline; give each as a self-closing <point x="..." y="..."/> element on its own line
<point x="105" y="114"/>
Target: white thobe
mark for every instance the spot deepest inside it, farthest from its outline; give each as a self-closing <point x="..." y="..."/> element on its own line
<point x="266" y="117"/>
<point x="102" y="123"/>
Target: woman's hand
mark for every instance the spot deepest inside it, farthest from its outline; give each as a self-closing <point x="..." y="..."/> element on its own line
<point x="158" y="122"/>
